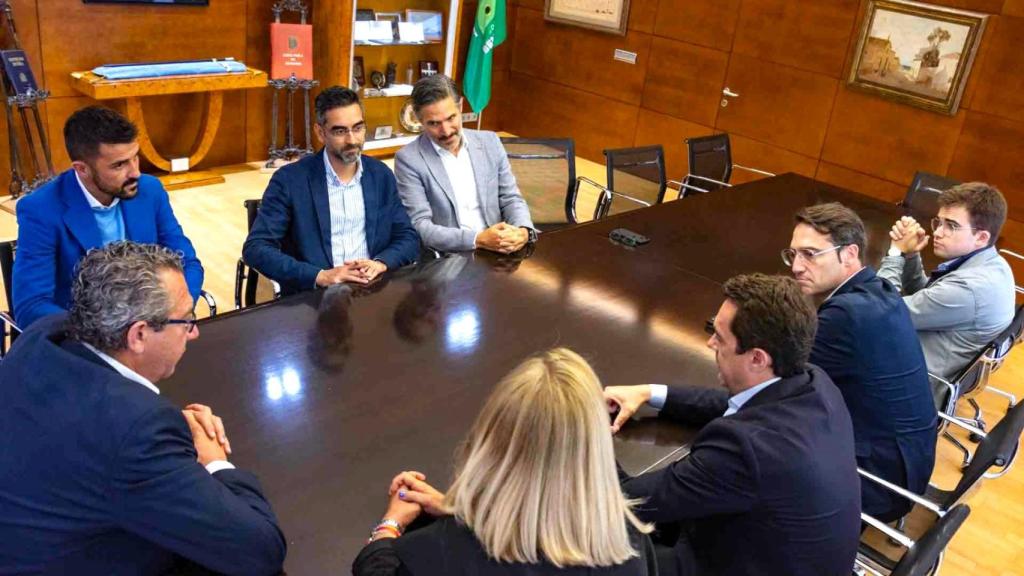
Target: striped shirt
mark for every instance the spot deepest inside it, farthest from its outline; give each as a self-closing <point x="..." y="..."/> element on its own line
<point x="348" y="215"/>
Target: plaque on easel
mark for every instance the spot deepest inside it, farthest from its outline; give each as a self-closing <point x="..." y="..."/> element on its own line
<point x="291" y="71"/>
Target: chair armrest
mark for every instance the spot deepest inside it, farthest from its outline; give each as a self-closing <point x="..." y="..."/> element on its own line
<point x="210" y="302"/>
<point x="755" y="170"/>
<point x="899" y="490"/>
<point x="687" y="186"/>
<point x="953" y="392"/>
<point x="889" y="531"/>
<point x="7" y="319"/>
<point x="962" y="424"/>
<point x="706" y="179"/>
<point x="1011" y="253"/>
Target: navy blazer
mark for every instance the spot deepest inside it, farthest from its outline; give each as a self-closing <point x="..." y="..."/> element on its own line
<point x="867" y="344"/>
<point x="771" y="489"/>
<point x="290" y="241"/>
<point x="56" y="227"/>
<point x="100" y="476"/>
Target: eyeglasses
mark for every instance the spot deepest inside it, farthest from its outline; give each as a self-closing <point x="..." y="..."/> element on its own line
<point x="951" y="225"/>
<point x="190" y="323"/>
<point x="341" y="131"/>
<point x="789" y="255"/>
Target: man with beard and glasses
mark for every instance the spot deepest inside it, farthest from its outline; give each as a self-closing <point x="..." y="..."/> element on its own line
<point x="457" y="184"/>
<point x="103" y="198"/>
<point x="334" y="216"/>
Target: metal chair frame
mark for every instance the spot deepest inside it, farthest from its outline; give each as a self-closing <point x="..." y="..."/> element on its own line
<point x="923" y="556"/>
<point x="604" y="201"/>
<point x="569" y="147"/>
<point x="659" y="160"/>
<point x="723" y="140"/>
<point x="247" y="275"/>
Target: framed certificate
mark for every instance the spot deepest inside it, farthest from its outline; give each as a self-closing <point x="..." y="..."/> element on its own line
<point x="601" y="15"/>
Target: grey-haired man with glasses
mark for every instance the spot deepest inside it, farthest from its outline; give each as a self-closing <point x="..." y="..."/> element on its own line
<point x="102" y="474"/>
<point x="969" y="299"/>
<point x="866" y="343"/>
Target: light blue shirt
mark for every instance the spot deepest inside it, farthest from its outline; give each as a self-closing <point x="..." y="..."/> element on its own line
<point x="348" y="215"/>
<point x="660" y="391"/>
<point x="109" y="219"/>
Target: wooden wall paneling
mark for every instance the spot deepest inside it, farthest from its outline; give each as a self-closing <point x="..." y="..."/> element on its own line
<point x="806" y="34"/>
<point x="258" y="103"/>
<point x="671" y="132"/>
<point x="1014" y="8"/>
<point x="642" y="15"/>
<point x="710" y="23"/>
<point x="685" y="80"/>
<point x="1000" y="89"/>
<point x="539" y="108"/>
<point x="580" y="58"/>
<point x="57" y="112"/>
<point x="863" y="183"/>
<point x="991" y="149"/>
<point x="70" y="33"/>
<point x="889" y="140"/>
<point x="778" y="104"/>
<point x="755" y="154"/>
<point x="332" y="41"/>
<point x="975" y="77"/>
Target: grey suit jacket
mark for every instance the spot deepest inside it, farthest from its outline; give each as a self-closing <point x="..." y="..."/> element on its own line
<point x="961" y="312"/>
<point x="429" y="198"/>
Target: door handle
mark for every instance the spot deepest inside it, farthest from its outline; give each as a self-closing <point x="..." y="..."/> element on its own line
<point x="728" y="94"/>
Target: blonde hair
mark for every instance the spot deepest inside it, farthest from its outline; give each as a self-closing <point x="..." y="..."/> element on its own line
<point x="537" y="478"/>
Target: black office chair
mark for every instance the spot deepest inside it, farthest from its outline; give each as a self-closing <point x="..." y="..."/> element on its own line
<point x="545" y="171"/>
<point x="973" y="379"/>
<point x="247" y="279"/>
<point x="922" y="557"/>
<point x="10" y="328"/>
<point x="922" y="199"/>
<point x="636" y="176"/>
<point x="710" y="165"/>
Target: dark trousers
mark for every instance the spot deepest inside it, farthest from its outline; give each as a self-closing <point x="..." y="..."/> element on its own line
<point x="674" y="552"/>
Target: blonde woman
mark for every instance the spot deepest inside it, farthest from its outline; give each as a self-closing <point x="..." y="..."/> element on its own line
<point x="535" y="490"/>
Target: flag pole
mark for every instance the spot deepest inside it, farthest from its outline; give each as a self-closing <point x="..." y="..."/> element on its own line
<point x="479" y="119"/>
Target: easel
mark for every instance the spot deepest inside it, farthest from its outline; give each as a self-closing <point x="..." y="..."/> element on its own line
<point x="26" y="101"/>
<point x="292" y="85"/>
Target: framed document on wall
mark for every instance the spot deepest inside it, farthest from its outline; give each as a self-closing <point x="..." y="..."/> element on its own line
<point x="601" y="15"/>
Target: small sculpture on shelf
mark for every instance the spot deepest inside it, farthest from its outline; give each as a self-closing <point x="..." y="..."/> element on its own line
<point x="377" y="79"/>
<point x="390" y="74"/>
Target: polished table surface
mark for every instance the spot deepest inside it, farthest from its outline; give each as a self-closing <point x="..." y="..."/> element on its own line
<point x="326" y="395"/>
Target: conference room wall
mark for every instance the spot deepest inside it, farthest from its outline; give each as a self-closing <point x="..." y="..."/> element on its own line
<point x="788" y="61"/>
<point x="61" y="36"/>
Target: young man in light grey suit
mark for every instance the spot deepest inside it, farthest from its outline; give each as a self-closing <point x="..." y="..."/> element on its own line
<point x="969" y="298"/>
<point x="456" y="184"/>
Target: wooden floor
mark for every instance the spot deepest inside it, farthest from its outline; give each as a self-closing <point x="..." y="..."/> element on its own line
<point x="991" y="542"/>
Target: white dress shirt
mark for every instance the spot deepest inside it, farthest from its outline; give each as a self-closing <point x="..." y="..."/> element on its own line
<point x="216" y="465"/>
<point x="461" y="175"/>
<point x="659" y="392"/>
<point x="348" y="215"/>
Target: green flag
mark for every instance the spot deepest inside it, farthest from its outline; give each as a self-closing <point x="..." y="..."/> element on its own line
<point x="488" y="32"/>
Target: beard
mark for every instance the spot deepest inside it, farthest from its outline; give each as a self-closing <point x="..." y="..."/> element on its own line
<point x="349" y="154"/>
<point x="128" y="189"/>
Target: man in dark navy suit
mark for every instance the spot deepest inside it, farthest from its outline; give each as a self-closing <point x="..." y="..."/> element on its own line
<point x="770" y="484"/>
<point x="101" y="475"/>
<point x="867" y="343"/>
<point x="334" y="216"/>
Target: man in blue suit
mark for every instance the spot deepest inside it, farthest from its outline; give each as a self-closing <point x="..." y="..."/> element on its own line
<point x="101" y="199"/>
<point x="770" y="483"/>
<point x="335" y="216"/>
<point x="102" y="475"/>
<point x="867" y="343"/>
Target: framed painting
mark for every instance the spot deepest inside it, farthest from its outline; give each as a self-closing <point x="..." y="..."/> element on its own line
<point x="916" y="53"/>
<point x="601" y="15"/>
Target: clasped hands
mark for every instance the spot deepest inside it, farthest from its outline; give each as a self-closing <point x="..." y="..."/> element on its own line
<point x="908" y="236"/>
<point x="360" y="271"/>
<point x="503" y="237"/>
<point x="208" y="434"/>
<point x="409" y="495"/>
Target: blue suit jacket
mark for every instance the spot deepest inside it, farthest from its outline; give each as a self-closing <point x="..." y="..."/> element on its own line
<point x="771" y="489"/>
<point x="100" y="476"/>
<point x="290" y="241"/>
<point x="867" y="343"/>
<point x="56" y="228"/>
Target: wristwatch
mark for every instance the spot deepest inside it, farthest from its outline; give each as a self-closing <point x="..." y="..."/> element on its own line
<point x="531" y="234"/>
<point x="894" y="251"/>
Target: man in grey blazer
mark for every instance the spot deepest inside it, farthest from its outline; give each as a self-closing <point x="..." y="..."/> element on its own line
<point x="456" y="184"/>
<point x="969" y="299"/>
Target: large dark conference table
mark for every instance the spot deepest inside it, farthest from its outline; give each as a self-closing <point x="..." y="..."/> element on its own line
<point x="327" y="394"/>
